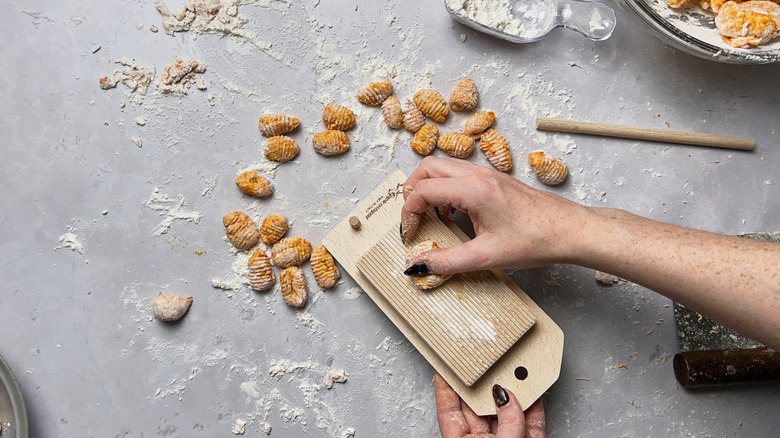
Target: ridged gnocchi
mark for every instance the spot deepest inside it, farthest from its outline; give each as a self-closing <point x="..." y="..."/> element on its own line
<point x="324" y="268"/>
<point x="496" y="149"/>
<point x="550" y="170"/>
<point x="281" y="148"/>
<point x="338" y="117"/>
<point x="240" y="230"/>
<point x="424" y="141"/>
<point x="293" y="285"/>
<point x="330" y="142"/>
<point x="392" y="112"/>
<point x="479" y="122"/>
<point x="261" y="276"/>
<point x="277" y="124"/>
<point x="464" y="95"/>
<point x="456" y="144"/>
<point x="273" y="228"/>
<point x="290" y="251"/>
<point x="375" y="93"/>
<point x="170" y="307"/>
<point x="429" y="281"/>
<point x="414" y="119"/>
<point x="252" y="183"/>
<point x="430" y="102"/>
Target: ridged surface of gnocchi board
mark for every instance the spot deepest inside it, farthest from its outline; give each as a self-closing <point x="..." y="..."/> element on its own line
<point x="470" y="321"/>
<point x="538" y="352"/>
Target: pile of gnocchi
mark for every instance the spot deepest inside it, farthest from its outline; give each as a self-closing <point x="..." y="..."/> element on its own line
<point x="287" y="253"/>
<point x="429" y="103"/>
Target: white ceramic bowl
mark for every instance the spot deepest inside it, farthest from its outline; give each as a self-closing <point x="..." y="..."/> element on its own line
<point x="693" y="31"/>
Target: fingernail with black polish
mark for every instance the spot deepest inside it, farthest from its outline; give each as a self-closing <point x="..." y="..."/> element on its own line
<point x="417" y="269"/>
<point x="401" y="232"/>
<point x="500" y="396"/>
<point x="438" y="213"/>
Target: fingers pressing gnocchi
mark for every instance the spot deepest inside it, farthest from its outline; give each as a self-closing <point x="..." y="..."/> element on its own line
<point x="424" y="282"/>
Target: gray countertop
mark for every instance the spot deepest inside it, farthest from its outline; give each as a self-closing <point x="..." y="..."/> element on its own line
<point x="93" y="227"/>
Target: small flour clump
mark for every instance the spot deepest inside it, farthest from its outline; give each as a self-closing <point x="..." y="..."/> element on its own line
<point x="240" y="427"/>
<point x="334" y="376"/>
<point x="136" y="77"/>
<point x="179" y="75"/>
<point x="492" y="13"/>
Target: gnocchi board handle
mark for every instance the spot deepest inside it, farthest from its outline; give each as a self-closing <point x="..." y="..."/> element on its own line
<point x="528" y="368"/>
<point x="652" y="134"/>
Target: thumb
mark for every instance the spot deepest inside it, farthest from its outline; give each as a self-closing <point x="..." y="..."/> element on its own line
<point x="469" y="256"/>
<point x="511" y="420"/>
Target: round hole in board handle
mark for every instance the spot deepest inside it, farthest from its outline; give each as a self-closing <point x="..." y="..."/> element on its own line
<point x="521" y="373"/>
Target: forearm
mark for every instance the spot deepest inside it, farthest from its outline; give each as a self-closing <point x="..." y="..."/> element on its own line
<point x="731" y="280"/>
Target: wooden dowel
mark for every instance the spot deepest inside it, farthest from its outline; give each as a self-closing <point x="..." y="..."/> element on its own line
<point x="652" y="134"/>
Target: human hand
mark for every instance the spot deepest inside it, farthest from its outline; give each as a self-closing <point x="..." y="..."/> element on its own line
<point x="516" y="226"/>
<point x="457" y="420"/>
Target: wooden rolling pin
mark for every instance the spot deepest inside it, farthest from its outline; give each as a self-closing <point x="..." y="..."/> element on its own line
<point x="652" y="134"/>
<point x="716" y="367"/>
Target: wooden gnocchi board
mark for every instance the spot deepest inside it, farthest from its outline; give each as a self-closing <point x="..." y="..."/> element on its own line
<point x="451" y="325"/>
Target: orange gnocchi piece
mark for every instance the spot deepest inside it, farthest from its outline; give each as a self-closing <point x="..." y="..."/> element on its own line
<point x="293" y="285"/>
<point x="330" y="142"/>
<point x="392" y="112"/>
<point x="430" y="102"/>
<point x="414" y="119"/>
<point x="281" y="148"/>
<point x="464" y="95"/>
<point x="429" y="281"/>
<point x="424" y="141"/>
<point x="290" y="251"/>
<point x="170" y="307"/>
<point x="324" y="268"/>
<point x="273" y="228"/>
<point x="375" y="93"/>
<point x="496" y="149"/>
<point x="252" y="183"/>
<point x="550" y="170"/>
<point x="479" y="122"/>
<point x="338" y="117"/>
<point x="240" y="230"/>
<point x="261" y="276"/>
<point x="456" y="144"/>
<point x="277" y="124"/>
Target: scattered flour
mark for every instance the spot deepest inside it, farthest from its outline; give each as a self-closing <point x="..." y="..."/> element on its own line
<point x="172" y="209"/>
<point x="70" y="241"/>
<point x="348" y="432"/>
<point x="286" y="366"/>
<point x="135" y="77"/>
<point x="212" y="16"/>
